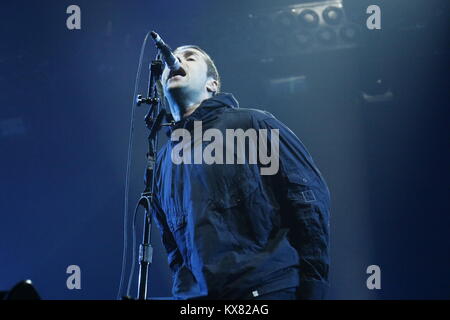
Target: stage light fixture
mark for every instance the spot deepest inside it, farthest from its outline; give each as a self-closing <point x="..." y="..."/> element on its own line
<point x="304" y="28"/>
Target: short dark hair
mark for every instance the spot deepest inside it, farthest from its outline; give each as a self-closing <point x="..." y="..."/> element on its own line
<point x="212" y="69"/>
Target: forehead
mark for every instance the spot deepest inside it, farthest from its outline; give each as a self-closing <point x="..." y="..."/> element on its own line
<point x="187" y="52"/>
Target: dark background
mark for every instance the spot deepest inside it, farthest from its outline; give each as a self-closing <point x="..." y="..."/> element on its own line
<point x="65" y="104"/>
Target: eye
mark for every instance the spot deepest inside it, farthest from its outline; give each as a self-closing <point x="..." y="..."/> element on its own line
<point x="190" y="59"/>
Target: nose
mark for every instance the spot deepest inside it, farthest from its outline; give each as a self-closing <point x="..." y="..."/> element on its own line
<point x="178" y="57"/>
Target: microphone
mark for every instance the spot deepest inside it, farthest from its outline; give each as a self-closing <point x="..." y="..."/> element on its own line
<point x="171" y="61"/>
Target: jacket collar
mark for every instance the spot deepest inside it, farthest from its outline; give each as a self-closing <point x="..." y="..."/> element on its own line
<point x="207" y="110"/>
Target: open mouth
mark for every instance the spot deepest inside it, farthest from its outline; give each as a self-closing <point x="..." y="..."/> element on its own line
<point x="174" y="73"/>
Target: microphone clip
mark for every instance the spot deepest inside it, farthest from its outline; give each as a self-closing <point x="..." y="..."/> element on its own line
<point x="152" y="101"/>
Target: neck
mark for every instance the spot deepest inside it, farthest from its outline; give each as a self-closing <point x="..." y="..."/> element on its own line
<point x="182" y="106"/>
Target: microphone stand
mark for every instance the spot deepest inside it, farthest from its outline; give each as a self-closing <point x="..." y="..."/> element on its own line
<point x="153" y="121"/>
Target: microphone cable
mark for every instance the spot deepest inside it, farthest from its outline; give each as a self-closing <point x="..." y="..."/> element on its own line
<point x="127" y="184"/>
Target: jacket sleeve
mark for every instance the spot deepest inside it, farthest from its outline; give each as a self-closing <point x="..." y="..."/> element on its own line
<point x="173" y="254"/>
<point x="305" y="201"/>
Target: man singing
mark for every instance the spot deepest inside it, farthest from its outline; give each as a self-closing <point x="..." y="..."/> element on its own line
<point x="231" y="229"/>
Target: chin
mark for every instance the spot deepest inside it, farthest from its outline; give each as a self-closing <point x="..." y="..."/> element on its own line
<point x="176" y="90"/>
<point x="175" y="87"/>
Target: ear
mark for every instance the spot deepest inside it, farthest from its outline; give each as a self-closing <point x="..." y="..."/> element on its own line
<point x="212" y="85"/>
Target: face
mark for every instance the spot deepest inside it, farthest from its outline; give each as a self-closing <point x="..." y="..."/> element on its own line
<point x="192" y="78"/>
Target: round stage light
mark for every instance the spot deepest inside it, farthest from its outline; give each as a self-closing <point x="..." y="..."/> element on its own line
<point x="303" y="39"/>
<point x="308" y="18"/>
<point x="333" y="15"/>
<point x="285" y="20"/>
<point x="349" y="33"/>
<point x="326" y="36"/>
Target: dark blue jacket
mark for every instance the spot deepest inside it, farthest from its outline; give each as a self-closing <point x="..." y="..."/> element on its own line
<point x="230" y="231"/>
